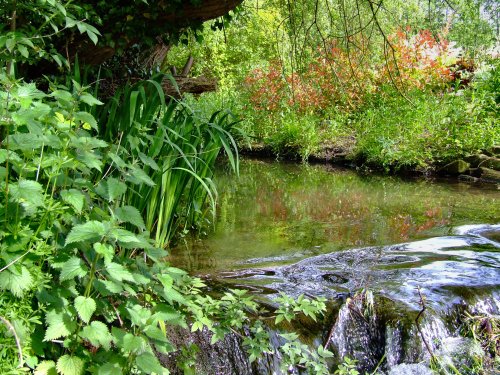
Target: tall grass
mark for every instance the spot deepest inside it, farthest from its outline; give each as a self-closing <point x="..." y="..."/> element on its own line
<point x="175" y="151"/>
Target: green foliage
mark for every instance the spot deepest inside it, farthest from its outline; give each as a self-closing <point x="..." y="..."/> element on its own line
<point x="173" y="153"/>
<point x="85" y="286"/>
<point x="425" y="131"/>
<point x="348" y="367"/>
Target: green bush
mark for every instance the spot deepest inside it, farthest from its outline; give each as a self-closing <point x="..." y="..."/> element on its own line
<point x="424" y="129"/>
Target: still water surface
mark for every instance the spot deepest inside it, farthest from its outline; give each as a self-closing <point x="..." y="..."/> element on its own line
<point x="279" y="213"/>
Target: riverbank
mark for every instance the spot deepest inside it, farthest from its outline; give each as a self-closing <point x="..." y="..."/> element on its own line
<point x="481" y="167"/>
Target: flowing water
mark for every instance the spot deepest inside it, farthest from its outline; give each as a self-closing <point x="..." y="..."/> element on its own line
<point x="327" y="232"/>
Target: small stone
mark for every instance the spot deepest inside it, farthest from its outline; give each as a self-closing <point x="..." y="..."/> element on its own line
<point x="455" y="167"/>
<point x="492" y="163"/>
<point x="467" y="178"/>
<point x="490" y="175"/>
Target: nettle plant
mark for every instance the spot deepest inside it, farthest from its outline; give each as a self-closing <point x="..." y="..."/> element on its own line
<point x="83" y="288"/>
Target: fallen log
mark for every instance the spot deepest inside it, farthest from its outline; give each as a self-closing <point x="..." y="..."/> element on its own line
<point x="192" y="85"/>
<point x="197" y="85"/>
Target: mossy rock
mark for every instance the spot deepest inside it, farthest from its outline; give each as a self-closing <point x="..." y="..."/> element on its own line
<point x="492" y="163"/>
<point x="475" y="160"/>
<point x="456" y="167"/>
<point x="491" y="175"/>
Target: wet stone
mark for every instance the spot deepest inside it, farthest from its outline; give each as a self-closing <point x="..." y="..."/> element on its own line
<point x="455" y="167"/>
<point x="492" y="163"/>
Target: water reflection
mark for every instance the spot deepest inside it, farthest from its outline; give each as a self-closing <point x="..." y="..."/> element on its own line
<point x="286" y="212"/>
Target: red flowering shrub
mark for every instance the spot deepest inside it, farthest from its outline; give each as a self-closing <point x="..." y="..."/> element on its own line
<point x="420" y="60"/>
<point x="341" y="79"/>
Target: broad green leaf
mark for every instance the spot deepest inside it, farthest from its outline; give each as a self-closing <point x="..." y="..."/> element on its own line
<point x="23" y="50"/>
<point x="87" y="231"/>
<point x="16" y="282"/>
<point x="73" y="267"/>
<point x="90" y="100"/>
<point x="128" y="239"/>
<point x="118" y="272"/>
<point x="59" y="324"/>
<point x="108" y="287"/>
<point x="85" y="306"/>
<point x="116" y="188"/>
<point x="90" y="159"/>
<point x="137" y="176"/>
<point x="148" y="363"/>
<point x="70" y="365"/>
<point x="92" y="36"/>
<point x="97" y="334"/>
<point x="132" y="343"/>
<point x="75" y="198"/>
<point x="129" y="214"/>
<point x="29" y="193"/>
<point x="110" y="369"/>
<point x="164" y="312"/>
<point x="155" y="333"/>
<point x="86" y="118"/>
<point x="107" y="251"/>
<point x="139" y="315"/>
<point x="46" y="368"/>
<point x="149" y="161"/>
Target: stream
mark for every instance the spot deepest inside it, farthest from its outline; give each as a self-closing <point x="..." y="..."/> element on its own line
<point x="326" y="232"/>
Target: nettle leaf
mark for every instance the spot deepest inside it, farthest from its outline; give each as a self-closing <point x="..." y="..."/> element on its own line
<point x="137" y="176"/>
<point x="107" y="251"/>
<point x="73" y="267"/>
<point x="74" y="198"/>
<point x="129" y="214"/>
<point x="111" y="189"/>
<point x="60" y="324"/>
<point x="27" y="192"/>
<point x="139" y="315"/>
<point x="90" y="159"/>
<point x="46" y="368"/>
<point x="97" y="334"/>
<point x="108" y="287"/>
<point x="155" y="333"/>
<point x="132" y="343"/>
<point x="86" y="118"/>
<point x="128" y="239"/>
<point x="91" y="230"/>
<point x="89" y="99"/>
<point x="85" y="306"/>
<point x="70" y="365"/>
<point x="110" y="369"/>
<point x="16" y="282"/>
<point x="116" y="188"/>
<point x="149" y="161"/>
<point x="119" y="273"/>
<point x="148" y="363"/>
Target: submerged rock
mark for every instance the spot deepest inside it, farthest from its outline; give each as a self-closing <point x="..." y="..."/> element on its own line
<point x="466" y="178"/>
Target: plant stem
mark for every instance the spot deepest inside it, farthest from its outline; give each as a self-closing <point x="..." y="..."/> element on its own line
<point x="16" y="337"/>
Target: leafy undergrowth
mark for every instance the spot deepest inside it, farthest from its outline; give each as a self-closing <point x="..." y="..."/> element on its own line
<point x="84" y="286"/>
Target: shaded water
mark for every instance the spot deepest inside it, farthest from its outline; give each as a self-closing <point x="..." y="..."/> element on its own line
<point x="319" y="231"/>
<point x="277" y="213"/>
